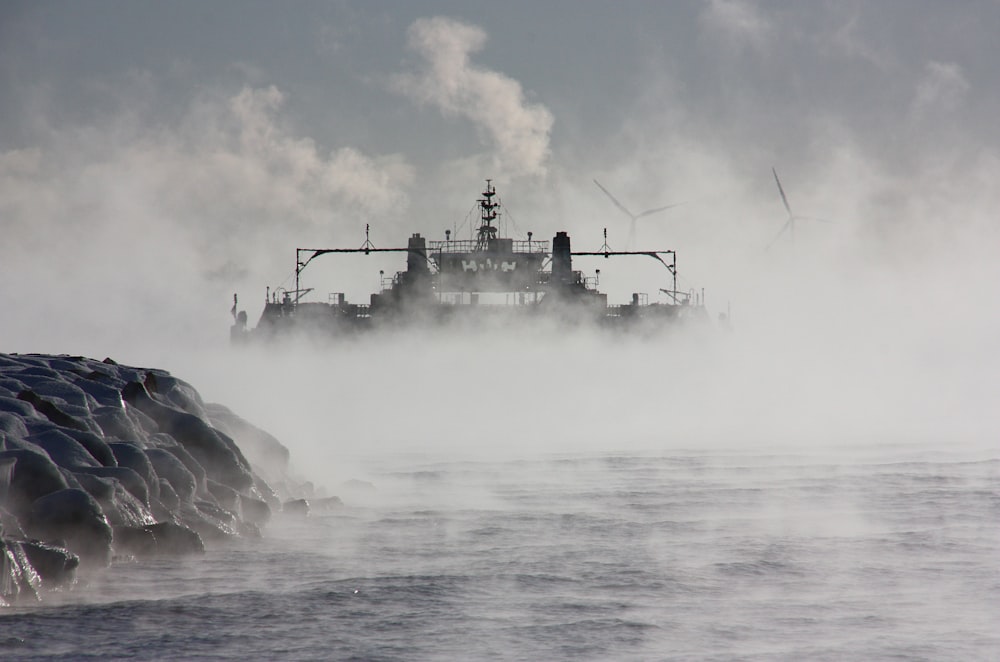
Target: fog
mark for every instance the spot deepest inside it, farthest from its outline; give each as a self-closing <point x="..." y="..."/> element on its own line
<point x="136" y="199"/>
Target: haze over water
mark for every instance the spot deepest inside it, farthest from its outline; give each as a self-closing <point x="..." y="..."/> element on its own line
<point x="820" y="482"/>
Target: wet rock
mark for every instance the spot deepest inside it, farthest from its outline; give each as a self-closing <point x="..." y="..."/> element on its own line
<point x="175" y="539"/>
<point x="18" y="578"/>
<point x="96" y="456"/>
<point x="75" y="517"/>
<point x="224" y="495"/>
<point x="33" y="476"/>
<point x="168" y="467"/>
<point x="137" y="541"/>
<point x="131" y="456"/>
<point x="63" y="449"/>
<point x="168" y="497"/>
<point x="101" y="489"/>
<point x="215" y="452"/>
<point x="204" y="522"/>
<point x="50" y="410"/>
<point x="95" y="445"/>
<point x="56" y="565"/>
<point x="192" y="465"/>
<point x="130" y="480"/>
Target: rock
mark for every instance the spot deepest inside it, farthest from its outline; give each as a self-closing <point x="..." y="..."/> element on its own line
<point x="261" y="449"/>
<point x="130" y="456"/>
<point x="167" y="466"/>
<point x="101" y="489"/>
<point x="137" y="541"/>
<point x="63" y="449"/>
<point x="50" y="411"/>
<point x="168" y="497"/>
<point x="224" y="495"/>
<point x="326" y="503"/>
<point x="97" y="456"/>
<point x="57" y="566"/>
<point x="95" y="445"/>
<point x="175" y="539"/>
<point x="192" y="465"/>
<point x="18" y="579"/>
<point x="255" y="511"/>
<point x="298" y="507"/>
<point x="11" y="425"/>
<point x="204" y="523"/>
<point x="120" y="506"/>
<point x="75" y="517"/>
<point x="34" y="475"/>
<point x="218" y="454"/>
<point x="130" y="480"/>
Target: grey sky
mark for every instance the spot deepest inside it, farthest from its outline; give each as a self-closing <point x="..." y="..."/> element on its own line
<point x="222" y="134"/>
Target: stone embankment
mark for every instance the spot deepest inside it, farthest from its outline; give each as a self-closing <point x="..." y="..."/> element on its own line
<point x="101" y="461"/>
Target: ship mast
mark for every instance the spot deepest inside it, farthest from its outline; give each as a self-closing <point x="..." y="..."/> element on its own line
<point x="489" y="212"/>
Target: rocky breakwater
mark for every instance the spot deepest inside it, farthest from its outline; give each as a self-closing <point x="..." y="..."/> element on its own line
<point x="101" y="461"/>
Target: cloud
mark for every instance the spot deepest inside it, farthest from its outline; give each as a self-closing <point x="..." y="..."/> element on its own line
<point x="494" y="102"/>
<point x="737" y="18"/>
<point x="942" y="88"/>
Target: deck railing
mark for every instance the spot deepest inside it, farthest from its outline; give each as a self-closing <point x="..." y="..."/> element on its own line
<point x="469" y="245"/>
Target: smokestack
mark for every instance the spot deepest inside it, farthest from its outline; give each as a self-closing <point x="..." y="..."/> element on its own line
<point x="562" y="259"/>
<point x="416" y="256"/>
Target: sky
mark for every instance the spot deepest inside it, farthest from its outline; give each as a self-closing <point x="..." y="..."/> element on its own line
<point x="158" y="157"/>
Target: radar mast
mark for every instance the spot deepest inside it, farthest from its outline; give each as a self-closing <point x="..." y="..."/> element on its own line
<point x="487" y="232"/>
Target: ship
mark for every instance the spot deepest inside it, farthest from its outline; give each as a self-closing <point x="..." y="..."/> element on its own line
<point x="485" y="279"/>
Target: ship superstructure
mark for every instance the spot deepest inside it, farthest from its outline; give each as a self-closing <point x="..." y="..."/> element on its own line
<point x="463" y="280"/>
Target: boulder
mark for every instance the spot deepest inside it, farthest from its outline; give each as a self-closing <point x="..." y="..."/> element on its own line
<point x="137" y="541"/>
<point x="168" y="467"/>
<point x="18" y="579"/>
<point x="34" y="475"/>
<point x="255" y="511"/>
<point x="130" y="456"/>
<point x="298" y="507"/>
<point x="216" y="452"/>
<point x="174" y="539"/>
<point x="64" y="450"/>
<point x="74" y="517"/>
<point x="57" y="566"/>
<point x="130" y="480"/>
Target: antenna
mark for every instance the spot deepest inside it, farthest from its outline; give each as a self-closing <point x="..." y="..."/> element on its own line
<point x="368" y="245"/>
<point x="605" y="248"/>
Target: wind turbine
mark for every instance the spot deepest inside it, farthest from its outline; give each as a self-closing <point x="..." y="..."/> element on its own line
<point x="634" y="217"/>
<point x="789" y="225"/>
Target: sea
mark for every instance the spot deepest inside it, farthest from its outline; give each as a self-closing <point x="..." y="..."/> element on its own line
<point x="853" y="552"/>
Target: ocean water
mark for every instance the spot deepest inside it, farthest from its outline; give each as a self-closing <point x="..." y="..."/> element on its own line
<point x="843" y="554"/>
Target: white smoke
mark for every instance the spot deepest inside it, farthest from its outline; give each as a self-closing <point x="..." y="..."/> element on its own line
<point x="138" y="211"/>
<point x="518" y="130"/>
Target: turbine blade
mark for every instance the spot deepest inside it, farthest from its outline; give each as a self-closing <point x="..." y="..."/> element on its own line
<point x="781" y="190"/>
<point x="783" y="230"/>
<point x="615" y="200"/>
<point x="648" y="212"/>
<point x="813" y="218"/>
